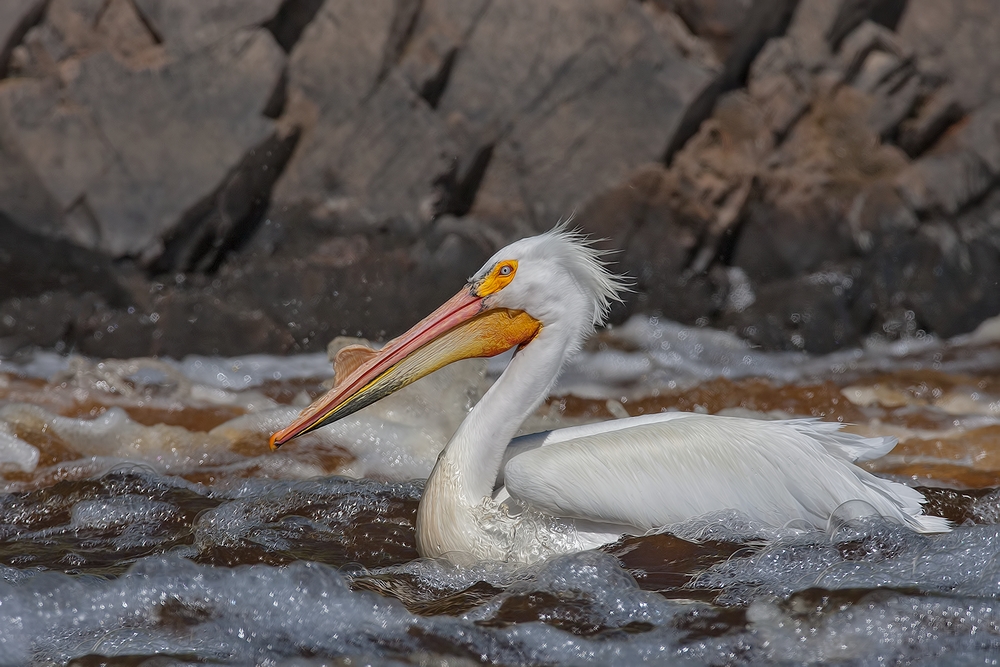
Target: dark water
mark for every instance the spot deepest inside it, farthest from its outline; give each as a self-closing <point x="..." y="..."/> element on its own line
<point x="144" y="521"/>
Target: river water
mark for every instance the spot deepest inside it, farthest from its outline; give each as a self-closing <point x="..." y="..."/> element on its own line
<point x="143" y="515"/>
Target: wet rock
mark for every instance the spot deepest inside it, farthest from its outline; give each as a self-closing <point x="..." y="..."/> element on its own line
<point x="370" y="142"/>
<point x="185" y="27"/>
<point x="559" y="116"/>
<point x="956" y="42"/>
<point x="187" y="321"/>
<point x="441" y="30"/>
<point x="815" y="313"/>
<point x="736" y="29"/>
<point x="936" y="280"/>
<point x="371" y="286"/>
<point x="32" y="264"/>
<point x="16" y="17"/>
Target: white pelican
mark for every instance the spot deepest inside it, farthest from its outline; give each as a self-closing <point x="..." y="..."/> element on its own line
<point x="580" y="487"/>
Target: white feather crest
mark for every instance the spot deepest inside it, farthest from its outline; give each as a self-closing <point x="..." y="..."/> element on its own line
<point x="576" y="252"/>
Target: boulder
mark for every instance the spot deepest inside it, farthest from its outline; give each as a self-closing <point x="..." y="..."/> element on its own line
<point x="736" y="29"/>
<point x="562" y="118"/>
<point x="370" y="142"/>
<point x="185" y="27"/>
<point x="16" y="17"/>
<point x="814" y="313"/>
<point x="955" y="41"/>
<point x="441" y="30"/>
<point x="117" y="158"/>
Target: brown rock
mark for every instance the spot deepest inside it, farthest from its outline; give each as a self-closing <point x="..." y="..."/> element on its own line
<point x="371" y="144"/>
<point x="441" y="30"/>
<point x="185" y="27"/>
<point x="16" y="17"/>
<point x="814" y="313"/>
<point x="170" y="154"/>
<point x="564" y="115"/>
<point x="956" y="42"/>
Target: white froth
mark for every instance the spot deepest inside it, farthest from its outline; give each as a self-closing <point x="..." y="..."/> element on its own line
<point x="16" y="452"/>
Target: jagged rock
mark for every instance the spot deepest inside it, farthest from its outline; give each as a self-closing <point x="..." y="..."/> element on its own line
<point x="122" y="156"/>
<point x="371" y="143"/>
<point x="815" y="313"/>
<point x="185" y="27"/>
<point x="955" y="41"/>
<point x="560" y="113"/>
<point x="291" y="20"/>
<point x="797" y="221"/>
<point x="442" y="28"/>
<point x="655" y="244"/>
<point x="963" y="167"/>
<point x="171" y="155"/>
<point x="77" y="28"/>
<point x="16" y="17"/>
<point x="736" y="29"/>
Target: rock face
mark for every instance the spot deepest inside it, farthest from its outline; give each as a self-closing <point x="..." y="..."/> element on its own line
<point x="843" y="192"/>
<point x="229" y="176"/>
<point x="122" y="153"/>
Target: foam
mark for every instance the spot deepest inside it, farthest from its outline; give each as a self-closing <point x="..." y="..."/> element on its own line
<point x="16" y="452"/>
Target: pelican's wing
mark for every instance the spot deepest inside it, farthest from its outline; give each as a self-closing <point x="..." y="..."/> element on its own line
<point x="828" y="434"/>
<point x="650" y="472"/>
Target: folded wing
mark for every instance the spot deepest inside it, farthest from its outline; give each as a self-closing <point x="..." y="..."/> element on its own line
<point x="654" y="471"/>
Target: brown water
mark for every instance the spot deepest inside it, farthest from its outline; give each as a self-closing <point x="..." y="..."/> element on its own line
<point x="154" y="521"/>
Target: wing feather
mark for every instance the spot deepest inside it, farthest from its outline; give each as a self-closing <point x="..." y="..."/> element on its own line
<point x="654" y="472"/>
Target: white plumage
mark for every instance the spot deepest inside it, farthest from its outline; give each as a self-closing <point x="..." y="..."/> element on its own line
<point x="576" y="488"/>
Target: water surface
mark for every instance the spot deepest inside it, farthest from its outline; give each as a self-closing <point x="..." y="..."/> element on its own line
<point x="142" y="515"/>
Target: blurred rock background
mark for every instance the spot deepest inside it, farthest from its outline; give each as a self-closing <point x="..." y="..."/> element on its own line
<point x="233" y="176"/>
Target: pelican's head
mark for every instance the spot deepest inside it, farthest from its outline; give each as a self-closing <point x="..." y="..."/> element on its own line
<point x="556" y="280"/>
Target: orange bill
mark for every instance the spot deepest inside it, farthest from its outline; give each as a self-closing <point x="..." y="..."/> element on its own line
<point x="460" y="329"/>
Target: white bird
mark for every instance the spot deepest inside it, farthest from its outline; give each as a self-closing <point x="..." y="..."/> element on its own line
<point x="577" y="488"/>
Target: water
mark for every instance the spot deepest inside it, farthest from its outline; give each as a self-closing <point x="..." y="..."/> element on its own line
<point x="142" y="515"/>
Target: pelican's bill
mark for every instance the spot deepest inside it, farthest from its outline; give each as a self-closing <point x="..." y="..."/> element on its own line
<point x="457" y="330"/>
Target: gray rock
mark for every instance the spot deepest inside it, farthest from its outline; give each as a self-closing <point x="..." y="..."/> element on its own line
<point x="384" y="162"/>
<point x="563" y="115"/>
<point x="16" y="17"/>
<point x="956" y="42"/>
<point x="814" y="313"/>
<point x="364" y="127"/>
<point x="23" y="195"/>
<point x="185" y="27"/>
<point x="736" y="29"/>
<point x="173" y="151"/>
<point x="441" y="30"/>
<point x="341" y="55"/>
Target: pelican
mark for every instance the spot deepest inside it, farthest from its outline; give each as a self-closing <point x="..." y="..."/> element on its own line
<point x="491" y="498"/>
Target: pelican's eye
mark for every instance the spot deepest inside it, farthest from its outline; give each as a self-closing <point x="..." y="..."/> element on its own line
<point x="498" y="278"/>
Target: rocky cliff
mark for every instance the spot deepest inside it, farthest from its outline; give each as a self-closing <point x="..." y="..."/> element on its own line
<point x="228" y="176"/>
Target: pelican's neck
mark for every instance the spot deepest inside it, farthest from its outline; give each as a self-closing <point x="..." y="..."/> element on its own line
<point x="476" y="450"/>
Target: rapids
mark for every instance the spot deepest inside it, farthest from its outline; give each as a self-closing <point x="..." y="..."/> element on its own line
<point x="143" y="515"/>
